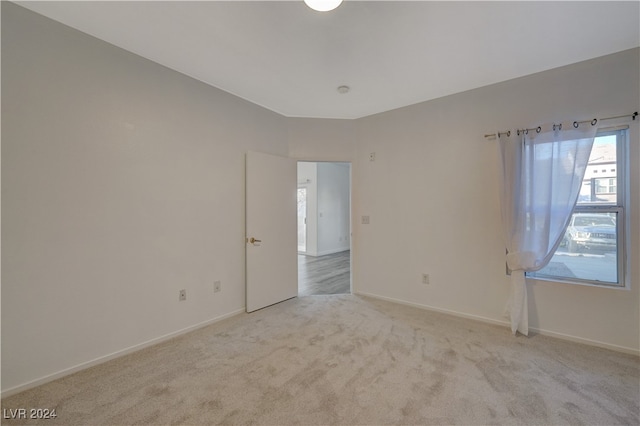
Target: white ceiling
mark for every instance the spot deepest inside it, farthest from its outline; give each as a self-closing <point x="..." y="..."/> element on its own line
<point x="290" y="59"/>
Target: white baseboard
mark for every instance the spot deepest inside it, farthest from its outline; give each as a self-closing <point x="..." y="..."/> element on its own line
<point x="20" y="388"/>
<point x="506" y="324"/>
<point x="100" y="360"/>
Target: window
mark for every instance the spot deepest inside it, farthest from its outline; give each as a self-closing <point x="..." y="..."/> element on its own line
<point x="605" y="186"/>
<point x="593" y="248"/>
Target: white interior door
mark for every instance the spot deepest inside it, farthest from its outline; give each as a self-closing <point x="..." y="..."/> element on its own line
<point x="271" y="230"/>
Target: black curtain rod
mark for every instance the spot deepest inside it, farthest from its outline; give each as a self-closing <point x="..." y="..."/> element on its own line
<point x="576" y="124"/>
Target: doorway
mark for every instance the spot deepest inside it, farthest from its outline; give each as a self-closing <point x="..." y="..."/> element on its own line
<point x="324" y="228"/>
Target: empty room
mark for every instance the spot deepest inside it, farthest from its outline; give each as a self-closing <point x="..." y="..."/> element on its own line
<point x="490" y="232"/>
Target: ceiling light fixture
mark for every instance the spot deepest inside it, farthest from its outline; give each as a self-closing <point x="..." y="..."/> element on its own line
<point x="343" y="89"/>
<point x="323" y="5"/>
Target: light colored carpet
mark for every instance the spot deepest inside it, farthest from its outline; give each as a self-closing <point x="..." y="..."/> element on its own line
<point x="348" y="360"/>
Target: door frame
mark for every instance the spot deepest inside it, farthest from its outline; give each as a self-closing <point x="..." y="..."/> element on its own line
<point x="305" y="186"/>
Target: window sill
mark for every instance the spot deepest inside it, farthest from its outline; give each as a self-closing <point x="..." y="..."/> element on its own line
<point x="595" y="284"/>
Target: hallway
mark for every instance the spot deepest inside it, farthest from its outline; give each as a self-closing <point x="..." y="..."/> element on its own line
<point x="329" y="274"/>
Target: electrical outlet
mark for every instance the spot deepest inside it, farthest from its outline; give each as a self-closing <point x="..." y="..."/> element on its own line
<point x="372" y="156"/>
<point x="365" y="220"/>
<point x="183" y="295"/>
<point x="217" y="286"/>
<point x="425" y="279"/>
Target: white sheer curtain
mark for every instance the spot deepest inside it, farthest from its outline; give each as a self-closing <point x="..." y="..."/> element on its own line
<point x="541" y="178"/>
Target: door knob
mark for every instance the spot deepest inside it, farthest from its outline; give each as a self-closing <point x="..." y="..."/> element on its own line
<point x="253" y="240"/>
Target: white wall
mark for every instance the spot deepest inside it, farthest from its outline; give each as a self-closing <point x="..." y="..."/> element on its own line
<point x="321" y="139"/>
<point x="122" y="183"/>
<point x="334" y="211"/>
<point x="433" y="203"/>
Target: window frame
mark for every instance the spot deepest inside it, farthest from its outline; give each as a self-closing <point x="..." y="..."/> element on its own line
<point x="619" y="208"/>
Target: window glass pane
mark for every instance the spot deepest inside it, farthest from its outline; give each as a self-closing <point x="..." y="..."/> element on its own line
<point x="592" y="248"/>
<point x="599" y="184"/>
<point x="589" y="250"/>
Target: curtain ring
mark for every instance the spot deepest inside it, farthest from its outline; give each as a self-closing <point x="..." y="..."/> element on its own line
<point x="594" y="121"/>
<point x="508" y="133"/>
<point x="575" y="124"/>
<point x="539" y="129"/>
<point x="518" y="132"/>
<point x="526" y="131"/>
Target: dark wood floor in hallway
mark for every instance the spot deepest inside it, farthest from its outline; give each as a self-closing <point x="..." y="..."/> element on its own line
<point x="329" y="274"/>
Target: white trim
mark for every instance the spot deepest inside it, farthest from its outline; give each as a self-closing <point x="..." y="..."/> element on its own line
<point x="542" y="332"/>
<point x="100" y="360"/>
